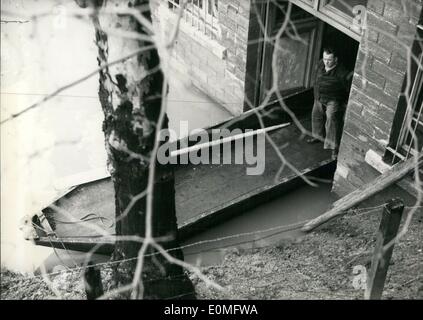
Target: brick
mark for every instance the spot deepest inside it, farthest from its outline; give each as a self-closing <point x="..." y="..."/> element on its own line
<point x="242" y="52"/>
<point x="223" y="31"/>
<point x="392" y="88"/>
<point x="232" y="8"/>
<point x="407" y="31"/>
<point x="240" y="42"/>
<point x="245" y="5"/>
<point x="387" y="72"/>
<point x="199" y="74"/>
<point x="376" y="51"/>
<point x="240" y="60"/>
<point x="391" y="43"/>
<point x="244" y="12"/>
<point x="380" y="24"/>
<point x="357" y="146"/>
<point x="210" y="70"/>
<point x="383" y="123"/>
<point x="231" y="34"/>
<point x="223" y="17"/>
<point x="219" y="67"/>
<point x="369" y="76"/>
<point x="375" y="78"/>
<point x="380" y="135"/>
<point x="378" y="94"/>
<point x="239" y="93"/>
<point x="193" y="60"/>
<point x="240" y="73"/>
<point x="388" y="113"/>
<point x="235" y="2"/>
<point x="354" y="128"/>
<point x="414" y="9"/>
<point x="223" y="6"/>
<point x="393" y="12"/>
<point x="372" y="35"/>
<point x="230" y="23"/>
<point x="233" y="13"/>
<point x="357" y="81"/>
<point x="355" y="107"/>
<point x="376" y="6"/>
<point x="364" y="60"/>
<point x="356" y="124"/>
<point x="398" y="62"/>
<point x="376" y="120"/>
<point x="228" y="42"/>
<point x="243" y="22"/>
<point x="231" y="53"/>
<point x="358" y="96"/>
<point x="242" y="32"/>
<point x="230" y="67"/>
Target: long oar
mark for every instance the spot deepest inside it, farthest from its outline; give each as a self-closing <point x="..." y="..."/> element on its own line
<point x="200" y="146"/>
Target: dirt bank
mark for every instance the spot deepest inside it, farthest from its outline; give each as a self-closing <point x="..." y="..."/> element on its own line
<point x="317" y="266"/>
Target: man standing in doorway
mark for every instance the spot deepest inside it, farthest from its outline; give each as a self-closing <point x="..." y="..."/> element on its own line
<point x="331" y="87"/>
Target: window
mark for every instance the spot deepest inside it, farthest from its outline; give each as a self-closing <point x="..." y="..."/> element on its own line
<point x="346" y="12"/>
<point x="173" y="4"/>
<point x="294" y="52"/>
<point x="407" y="133"/>
<point x="201" y="14"/>
<point x="309" y="2"/>
<point x="212" y="8"/>
<point x="412" y="143"/>
<point x="345" y="15"/>
<point x="342" y="7"/>
<point x="410" y="139"/>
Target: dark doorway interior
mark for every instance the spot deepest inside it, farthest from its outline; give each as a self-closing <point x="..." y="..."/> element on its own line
<point x="345" y="46"/>
<point x="297" y="54"/>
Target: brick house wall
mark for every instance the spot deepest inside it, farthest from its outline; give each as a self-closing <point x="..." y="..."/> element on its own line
<point x="216" y="66"/>
<point x="377" y="82"/>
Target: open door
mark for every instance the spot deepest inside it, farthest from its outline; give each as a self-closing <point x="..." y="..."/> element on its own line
<point x="293" y="57"/>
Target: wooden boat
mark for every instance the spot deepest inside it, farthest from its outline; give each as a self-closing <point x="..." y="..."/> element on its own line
<point x="83" y="217"/>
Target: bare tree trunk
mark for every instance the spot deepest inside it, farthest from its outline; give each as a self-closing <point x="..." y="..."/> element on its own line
<point x="131" y="94"/>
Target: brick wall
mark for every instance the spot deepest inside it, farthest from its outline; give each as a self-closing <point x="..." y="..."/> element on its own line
<point x="378" y="77"/>
<point x="216" y="66"/>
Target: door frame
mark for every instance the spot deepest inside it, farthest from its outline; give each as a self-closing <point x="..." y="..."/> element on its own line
<point x="267" y="50"/>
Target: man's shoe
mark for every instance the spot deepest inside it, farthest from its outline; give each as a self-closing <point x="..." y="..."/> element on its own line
<point x="312" y="140"/>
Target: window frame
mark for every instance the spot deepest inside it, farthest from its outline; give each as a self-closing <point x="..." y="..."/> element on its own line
<point x="332" y="16"/>
<point x="417" y="106"/>
<point x="197" y="11"/>
<point x="395" y="150"/>
<point x="311" y="24"/>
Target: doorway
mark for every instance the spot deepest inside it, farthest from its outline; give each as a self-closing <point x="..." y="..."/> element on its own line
<point x="294" y="55"/>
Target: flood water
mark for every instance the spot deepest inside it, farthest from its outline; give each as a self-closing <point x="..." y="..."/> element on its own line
<point x="63" y="137"/>
<point x="47" y="147"/>
<point x="262" y="226"/>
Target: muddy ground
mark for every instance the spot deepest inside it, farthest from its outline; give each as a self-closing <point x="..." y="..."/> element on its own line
<point x="319" y="265"/>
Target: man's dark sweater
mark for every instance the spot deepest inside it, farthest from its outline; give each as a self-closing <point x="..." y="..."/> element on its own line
<point x="331" y="85"/>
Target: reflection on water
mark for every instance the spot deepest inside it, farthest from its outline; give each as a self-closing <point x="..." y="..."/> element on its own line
<point x="62" y="137"/>
<point x="262" y="226"/>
